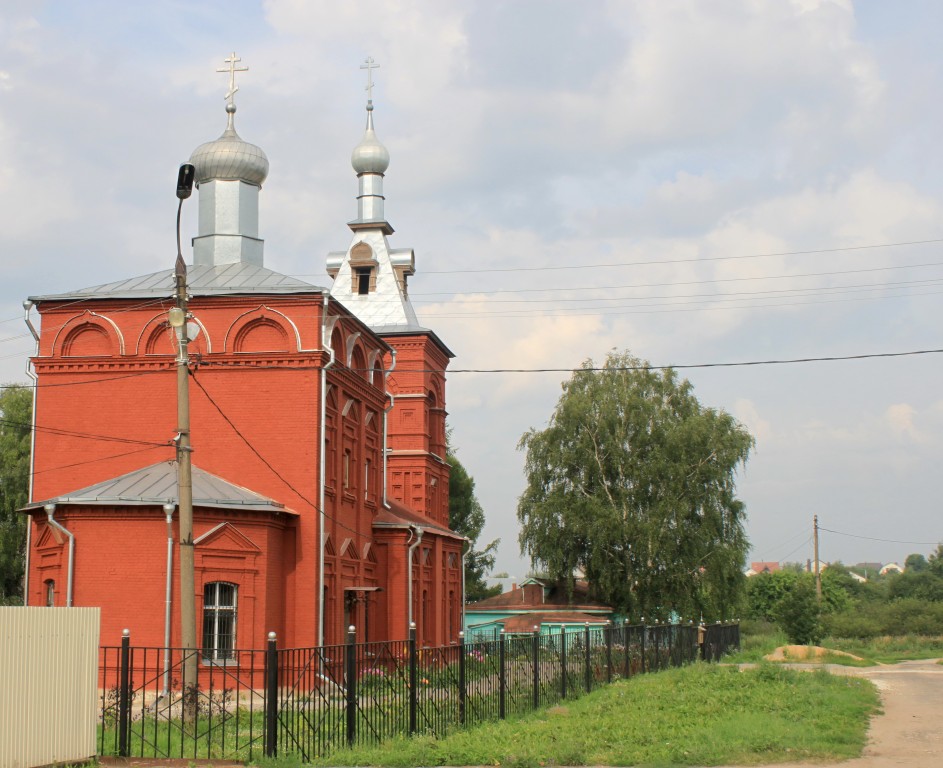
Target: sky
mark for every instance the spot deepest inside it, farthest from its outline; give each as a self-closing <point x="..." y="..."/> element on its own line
<point x="695" y="182"/>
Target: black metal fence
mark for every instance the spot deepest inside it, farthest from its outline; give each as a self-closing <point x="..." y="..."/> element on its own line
<point x="310" y="702"/>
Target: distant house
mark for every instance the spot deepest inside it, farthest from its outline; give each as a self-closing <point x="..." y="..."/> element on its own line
<point x="867" y="569"/>
<point x="890" y="568"/>
<point x="761" y="566"/>
<point x="536" y="603"/>
<point x="857" y="577"/>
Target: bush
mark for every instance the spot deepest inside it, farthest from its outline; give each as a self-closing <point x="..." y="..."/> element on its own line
<point x="899" y="617"/>
<point x="852" y="624"/>
<point x="799" y="615"/>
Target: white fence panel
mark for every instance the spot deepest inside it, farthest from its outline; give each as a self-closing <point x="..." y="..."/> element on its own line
<point x="48" y="685"/>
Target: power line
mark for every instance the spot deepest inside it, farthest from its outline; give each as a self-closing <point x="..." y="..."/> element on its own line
<point x="803" y="544"/>
<point x="89" y="381"/>
<point x="670" y="283"/>
<point x="266" y="461"/>
<point x="681" y="261"/>
<point x="673" y="308"/>
<point x="769" y="293"/>
<point x="102" y="458"/>
<point x="885" y="541"/>
<point x="81" y="435"/>
<point x="682" y="366"/>
<point x="131" y="308"/>
<point x="593" y="369"/>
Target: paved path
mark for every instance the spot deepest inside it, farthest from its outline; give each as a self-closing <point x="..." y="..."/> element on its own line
<point x="909" y="732"/>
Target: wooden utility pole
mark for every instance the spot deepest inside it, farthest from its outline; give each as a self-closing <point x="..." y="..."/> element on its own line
<point x="815" y="554"/>
<point x="185" y="486"/>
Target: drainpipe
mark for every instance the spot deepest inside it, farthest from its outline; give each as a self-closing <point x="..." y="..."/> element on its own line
<point x="386" y="413"/>
<point x="50" y="511"/>
<point x="169" y="512"/>
<point x="409" y="568"/>
<point x="27" y="306"/>
<point x="464" y="552"/>
<point x="325" y="346"/>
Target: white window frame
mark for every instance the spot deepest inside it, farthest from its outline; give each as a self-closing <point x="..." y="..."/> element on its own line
<point x="216" y="613"/>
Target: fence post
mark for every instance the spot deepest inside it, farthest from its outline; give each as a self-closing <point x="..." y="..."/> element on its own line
<point x="502" y="678"/>
<point x="644" y="633"/>
<point x="656" y="642"/>
<point x="587" y="663"/>
<point x="536" y="655"/>
<point x="350" y="673"/>
<point x="672" y="645"/>
<point x="124" y="694"/>
<point x="563" y="660"/>
<point x="626" y="660"/>
<point x="270" y="701"/>
<point x="413" y="679"/>
<point x="609" y="651"/>
<point x="462" y="689"/>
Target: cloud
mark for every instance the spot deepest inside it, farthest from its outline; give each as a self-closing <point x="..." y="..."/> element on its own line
<point x="747" y="413"/>
<point x="900" y="417"/>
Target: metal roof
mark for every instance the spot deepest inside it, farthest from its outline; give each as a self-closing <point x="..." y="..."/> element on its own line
<point x="410" y="330"/>
<point x="157" y="485"/>
<point x="224" y="280"/>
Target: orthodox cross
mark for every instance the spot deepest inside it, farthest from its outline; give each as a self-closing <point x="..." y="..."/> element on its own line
<point x="369" y="65"/>
<point x="232" y="69"/>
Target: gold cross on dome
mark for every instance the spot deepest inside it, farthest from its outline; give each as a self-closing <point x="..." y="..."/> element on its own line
<point x="232" y="69"/>
<point x="369" y="65"/>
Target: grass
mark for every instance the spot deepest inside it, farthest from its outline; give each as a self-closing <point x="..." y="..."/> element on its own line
<point x="889" y="650"/>
<point x="698" y="715"/>
<point x="760" y="638"/>
<point x="757" y="639"/>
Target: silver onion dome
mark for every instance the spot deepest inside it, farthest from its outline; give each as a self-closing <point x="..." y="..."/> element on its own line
<point x="370" y="156"/>
<point x="229" y="158"/>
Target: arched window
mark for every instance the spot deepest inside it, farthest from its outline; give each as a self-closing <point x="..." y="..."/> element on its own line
<point x="358" y="362"/>
<point x="219" y="621"/>
<point x="337" y="344"/>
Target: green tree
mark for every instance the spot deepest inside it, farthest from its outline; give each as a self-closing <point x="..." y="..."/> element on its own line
<point x="799" y="613"/>
<point x="633" y="483"/>
<point x="468" y="518"/>
<point x="16" y="407"/>
<point x="935" y="561"/>
<point x="766" y="591"/>
<point x="916" y="563"/>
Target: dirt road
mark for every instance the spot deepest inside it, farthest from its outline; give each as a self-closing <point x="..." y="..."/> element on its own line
<point x="909" y="733"/>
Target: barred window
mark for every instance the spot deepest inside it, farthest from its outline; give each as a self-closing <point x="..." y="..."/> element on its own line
<point x="219" y="621"/>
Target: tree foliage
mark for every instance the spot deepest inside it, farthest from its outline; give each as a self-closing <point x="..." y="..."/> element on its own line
<point x="799" y="613"/>
<point x="468" y="518"/>
<point x="633" y="482"/>
<point x="16" y="404"/>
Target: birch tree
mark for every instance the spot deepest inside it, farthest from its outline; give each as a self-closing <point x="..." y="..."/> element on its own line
<point x="16" y="407"/>
<point x="633" y="483"/>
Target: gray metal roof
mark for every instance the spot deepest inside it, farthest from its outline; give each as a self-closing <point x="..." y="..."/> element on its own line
<point x="384" y="331"/>
<point x="225" y="280"/>
<point x="157" y="485"/>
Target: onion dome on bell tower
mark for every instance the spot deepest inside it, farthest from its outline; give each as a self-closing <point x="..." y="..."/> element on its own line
<point x="370" y="159"/>
<point x="370" y="278"/>
<point x="229" y="175"/>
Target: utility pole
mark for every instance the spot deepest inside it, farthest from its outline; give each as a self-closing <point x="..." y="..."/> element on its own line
<point x="815" y="551"/>
<point x="178" y="320"/>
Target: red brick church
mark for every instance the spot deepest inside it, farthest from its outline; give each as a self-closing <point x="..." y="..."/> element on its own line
<point x="320" y="486"/>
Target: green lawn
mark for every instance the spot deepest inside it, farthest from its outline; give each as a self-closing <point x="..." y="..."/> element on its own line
<point x="699" y="715"/>
<point x="759" y="639"/>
